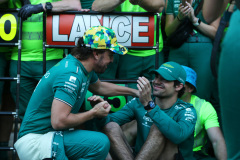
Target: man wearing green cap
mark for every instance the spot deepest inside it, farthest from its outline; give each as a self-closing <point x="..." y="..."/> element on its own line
<point x="53" y="108"/>
<point x="207" y="124"/>
<point x="165" y="123"/>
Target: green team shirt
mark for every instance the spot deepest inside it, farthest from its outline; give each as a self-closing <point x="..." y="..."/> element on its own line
<point x="32" y="37"/>
<point x="176" y="123"/>
<point x="207" y="118"/>
<point x="128" y="7"/>
<point x="67" y="82"/>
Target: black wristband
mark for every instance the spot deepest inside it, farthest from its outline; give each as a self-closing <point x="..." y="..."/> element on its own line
<point x="48" y="7"/>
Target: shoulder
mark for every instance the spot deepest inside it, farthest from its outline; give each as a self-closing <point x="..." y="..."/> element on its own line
<point x="184" y="107"/>
<point x="202" y="104"/>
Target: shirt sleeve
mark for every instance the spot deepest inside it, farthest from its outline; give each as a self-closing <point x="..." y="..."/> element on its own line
<point x="209" y="116"/>
<point x="176" y="131"/>
<point x="125" y="115"/>
<point x="66" y="87"/>
<point x="169" y="9"/>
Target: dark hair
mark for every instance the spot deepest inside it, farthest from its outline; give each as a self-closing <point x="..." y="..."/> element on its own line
<point x="82" y="52"/>
<point x="181" y="92"/>
<point x="191" y="86"/>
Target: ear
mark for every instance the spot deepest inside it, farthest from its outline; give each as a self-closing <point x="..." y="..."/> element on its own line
<point x="179" y="87"/>
<point x="95" y="55"/>
<point x="191" y="89"/>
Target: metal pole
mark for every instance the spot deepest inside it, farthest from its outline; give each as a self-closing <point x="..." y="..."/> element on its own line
<point x="44" y="43"/>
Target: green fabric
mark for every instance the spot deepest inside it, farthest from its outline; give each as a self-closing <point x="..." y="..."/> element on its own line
<point x="128" y="7"/>
<point x="207" y="118"/>
<point x="67" y="82"/>
<point x="176" y="123"/>
<point x="85" y="145"/>
<point x="229" y="87"/>
<point x="131" y="67"/>
<point x="172" y="71"/>
<point x="196" y="56"/>
<point x="32" y="37"/>
<point x="80" y="144"/>
<point x="87" y="4"/>
<point x="31" y="73"/>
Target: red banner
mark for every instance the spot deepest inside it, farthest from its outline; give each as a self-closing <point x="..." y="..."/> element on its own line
<point x="131" y="30"/>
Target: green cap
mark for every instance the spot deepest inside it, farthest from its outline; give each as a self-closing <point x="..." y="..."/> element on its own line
<point x="172" y="71"/>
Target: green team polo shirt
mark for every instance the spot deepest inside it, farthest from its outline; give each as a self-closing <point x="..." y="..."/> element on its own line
<point x="67" y="82"/>
<point x="172" y="9"/>
<point x="207" y="118"/>
<point x="32" y="37"/>
<point x="128" y="7"/>
<point x="176" y="123"/>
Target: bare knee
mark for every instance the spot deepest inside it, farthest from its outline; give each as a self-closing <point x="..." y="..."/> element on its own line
<point x="169" y="150"/>
<point x="155" y="133"/>
<point x="112" y="128"/>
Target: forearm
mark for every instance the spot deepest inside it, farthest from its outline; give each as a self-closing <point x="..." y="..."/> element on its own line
<point x="65" y="5"/>
<point x="216" y="137"/>
<point x="152" y="5"/>
<point x="105" y="5"/>
<point x="171" y="24"/>
<point x="176" y="132"/>
<point x="220" y="150"/>
<point x="110" y="89"/>
<point x="72" y="120"/>
<point x="213" y="9"/>
<point x="207" y="30"/>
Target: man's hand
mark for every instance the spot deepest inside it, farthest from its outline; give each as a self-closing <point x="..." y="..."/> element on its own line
<point x="145" y="90"/>
<point x="27" y="10"/>
<point x="101" y="109"/>
<point x="94" y="100"/>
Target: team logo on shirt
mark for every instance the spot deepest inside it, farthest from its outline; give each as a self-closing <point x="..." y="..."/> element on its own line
<point x="189" y="115"/>
<point x="46" y="75"/>
<point x="72" y="79"/>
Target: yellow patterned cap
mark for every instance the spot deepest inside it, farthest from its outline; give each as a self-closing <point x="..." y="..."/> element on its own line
<point x="99" y="37"/>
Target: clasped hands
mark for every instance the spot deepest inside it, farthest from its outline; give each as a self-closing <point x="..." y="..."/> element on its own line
<point x="186" y="11"/>
<point x="101" y="108"/>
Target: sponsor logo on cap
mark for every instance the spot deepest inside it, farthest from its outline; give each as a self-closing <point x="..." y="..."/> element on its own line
<point x="168" y="65"/>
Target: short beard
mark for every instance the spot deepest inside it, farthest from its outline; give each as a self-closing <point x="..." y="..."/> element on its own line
<point x="99" y="67"/>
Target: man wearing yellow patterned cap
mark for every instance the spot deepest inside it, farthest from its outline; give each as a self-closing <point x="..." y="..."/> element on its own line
<point x="53" y="108"/>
